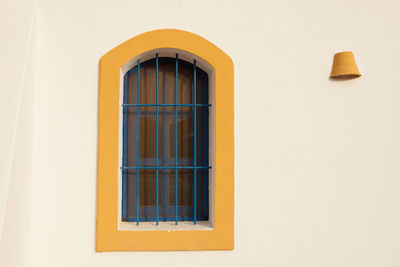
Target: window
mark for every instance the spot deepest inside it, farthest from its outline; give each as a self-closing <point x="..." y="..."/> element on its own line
<point x="207" y="198"/>
<point x="165" y="166"/>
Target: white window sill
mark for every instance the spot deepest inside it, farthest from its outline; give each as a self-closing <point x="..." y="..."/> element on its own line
<point x="165" y="226"/>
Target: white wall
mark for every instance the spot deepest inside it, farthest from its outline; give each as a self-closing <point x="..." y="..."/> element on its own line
<point x="317" y="175"/>
<point x="17" y="54"/>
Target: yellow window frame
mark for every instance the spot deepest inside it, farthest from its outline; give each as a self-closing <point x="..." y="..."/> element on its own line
<point x="109" y="237"/>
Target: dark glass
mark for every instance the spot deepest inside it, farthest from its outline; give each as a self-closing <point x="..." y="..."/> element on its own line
<point x="166" y="141"/>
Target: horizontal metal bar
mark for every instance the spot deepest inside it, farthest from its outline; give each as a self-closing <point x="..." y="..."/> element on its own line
<point x="164" y="219"/>
<point x="182" y="113"/>
<point x="166" y="105"/>
<point x="166" y="167"/>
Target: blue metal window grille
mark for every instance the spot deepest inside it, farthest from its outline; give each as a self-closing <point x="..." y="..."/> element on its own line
<point x="165" y="163"/>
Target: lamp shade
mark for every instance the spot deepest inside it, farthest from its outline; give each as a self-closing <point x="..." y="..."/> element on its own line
<point x="344" y="66"/>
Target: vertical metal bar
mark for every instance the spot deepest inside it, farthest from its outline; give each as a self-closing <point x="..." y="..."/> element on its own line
<point x="138" y="145"/>
<point x="176" y="140"/>
<point x="195" y="141"/>
<point x="157" y="131"/>
<point x="125" y="149"/>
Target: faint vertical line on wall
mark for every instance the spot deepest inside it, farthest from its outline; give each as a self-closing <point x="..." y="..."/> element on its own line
<point x="8" y="172"/>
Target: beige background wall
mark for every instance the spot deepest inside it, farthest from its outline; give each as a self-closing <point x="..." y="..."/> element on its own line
<point x="317" y="176"/>
<point x="17" y="74"/>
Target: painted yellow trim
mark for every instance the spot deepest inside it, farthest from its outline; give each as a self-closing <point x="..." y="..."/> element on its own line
<point x="109" y="238"/>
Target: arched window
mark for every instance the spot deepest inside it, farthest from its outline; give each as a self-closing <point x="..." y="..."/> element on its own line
<point x="165" y="163"/>
<point x="166" y="145"/>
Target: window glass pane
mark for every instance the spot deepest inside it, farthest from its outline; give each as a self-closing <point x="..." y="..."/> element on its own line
<point x="166" y="83"/>
<point x="132" y="88"/>
<point x="131" y="142"/>
<point x="131" y="194"/>
<point x="201" y="87"/>
<point x="185" y="84"/>
<point x="148" y="188"/>
<point x="185" y="136"/>
<point x="185" y="188"/>
<point x="147" y="195"/>
<point x="148" y="132"/>
<point x="202" y="130"/>
<point x="166" y="142"/>
<point x="147" y="85"/>
<point x="202" y="193"/>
